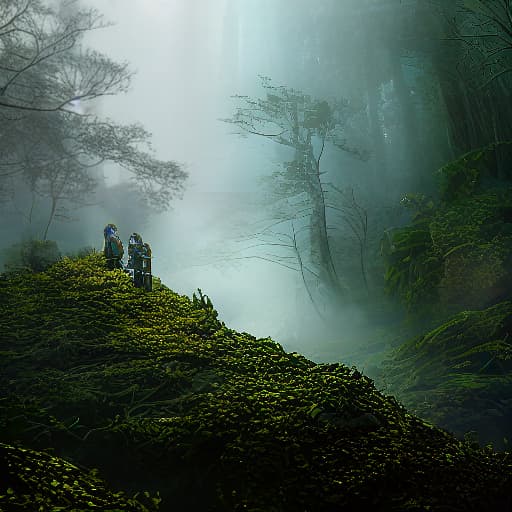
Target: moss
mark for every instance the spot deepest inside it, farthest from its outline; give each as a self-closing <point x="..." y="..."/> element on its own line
<point x="36" y="481"/>
<point x="454" y="256"/>
<point x="155" y="391"/>
<point x="459" y="375"/>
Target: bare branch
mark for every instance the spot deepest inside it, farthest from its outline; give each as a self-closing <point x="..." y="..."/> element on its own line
<point x="14" y="18"/>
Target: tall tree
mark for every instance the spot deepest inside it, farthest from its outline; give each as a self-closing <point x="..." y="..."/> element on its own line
<point x="300" y="220"/>
<point x="48" y="138"/>
<point x="468" y="43"/>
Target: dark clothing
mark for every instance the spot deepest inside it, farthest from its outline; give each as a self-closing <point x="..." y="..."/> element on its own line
<point x="146" y="268"/>
<point x="135" y="259"/>
<point x="113" y="251"/>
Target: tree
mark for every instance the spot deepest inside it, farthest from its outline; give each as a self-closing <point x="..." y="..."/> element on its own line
<point x="49" y="140"/>
<point x="62" y="183"/>
<point x="469" y="50"/>
<point x="485" y="28"/>
<point x="299" y="227"/>
<point x="44" y="68"/>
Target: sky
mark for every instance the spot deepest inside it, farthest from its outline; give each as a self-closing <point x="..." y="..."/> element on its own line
<point x="189" y="58"/>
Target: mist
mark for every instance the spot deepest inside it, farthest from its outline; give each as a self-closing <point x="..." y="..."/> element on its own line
<point x="331" y="178"/>
<point x="190" y="58"/>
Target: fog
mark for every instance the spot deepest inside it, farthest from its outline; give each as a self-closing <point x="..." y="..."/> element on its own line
<point x="188" y="63"/>
<point x="190" y="58"/>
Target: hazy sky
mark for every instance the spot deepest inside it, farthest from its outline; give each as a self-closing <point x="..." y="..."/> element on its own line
<point x="190" y="56"/>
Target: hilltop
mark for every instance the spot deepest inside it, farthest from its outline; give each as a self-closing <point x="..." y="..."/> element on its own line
<point x="160" y="395"/>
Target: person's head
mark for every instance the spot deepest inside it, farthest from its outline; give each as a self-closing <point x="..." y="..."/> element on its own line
<point x="110" y="229"/>
<point x="135" y="238"/>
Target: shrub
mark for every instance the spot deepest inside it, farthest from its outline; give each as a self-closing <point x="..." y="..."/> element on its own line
<point x="31" y="255"/>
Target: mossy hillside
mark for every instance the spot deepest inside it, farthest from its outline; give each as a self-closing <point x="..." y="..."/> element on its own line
<point x="157" y="393"/>
<point x="459" y="375"/>
<point x="35" y="481"/>
<point x="455" y="255"/>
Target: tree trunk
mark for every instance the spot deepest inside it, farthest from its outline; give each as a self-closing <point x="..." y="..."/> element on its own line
<point x="320" y="248"/>
<point x="51" y="216"/>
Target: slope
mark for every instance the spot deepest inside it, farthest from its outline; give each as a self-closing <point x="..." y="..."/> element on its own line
<point x="156" y="392"/>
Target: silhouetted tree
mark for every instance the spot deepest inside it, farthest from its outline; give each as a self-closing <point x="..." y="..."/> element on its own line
<point x="44" y="67"/>
<point x="50" y="141"/>
<point x="467" y="45"/>
<point x="300" y="220"/>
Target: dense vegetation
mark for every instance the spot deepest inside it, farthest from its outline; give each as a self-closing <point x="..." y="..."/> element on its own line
<point x="451" y="268"/>
<point x="456" y="254"/>
<point x="39" y="481"/>
<point x="156" y="392"/>
<point x="459" y="375"/>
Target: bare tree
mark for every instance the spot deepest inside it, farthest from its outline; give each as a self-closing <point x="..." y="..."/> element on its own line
<point x="299" y="227"/>
<point x="43" y="66"/>
<point x="484" y="27"/>
<point x="48" y="138"/>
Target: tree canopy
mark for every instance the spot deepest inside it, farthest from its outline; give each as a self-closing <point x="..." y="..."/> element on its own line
<point x="51" y="141"/>
<point x="300" y="230"/>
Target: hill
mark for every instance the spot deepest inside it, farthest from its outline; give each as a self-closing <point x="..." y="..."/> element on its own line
<point x="158" y="394"/>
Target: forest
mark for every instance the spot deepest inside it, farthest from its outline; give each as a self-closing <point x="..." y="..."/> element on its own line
<point x="327" y="189"/>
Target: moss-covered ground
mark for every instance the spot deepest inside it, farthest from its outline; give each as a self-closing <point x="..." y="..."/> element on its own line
<point x="33" y="480"/>
<point x="459" y="375"/>
<point x="159" y="395"/>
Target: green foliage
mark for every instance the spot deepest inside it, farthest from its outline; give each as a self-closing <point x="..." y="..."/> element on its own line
<point x="35" y="481"/>
<point x="460" y="178"/>
<point x="455" y="255"/>
<point x="463" y="177"/>
<point x="152" y="388"/>
<point x="81" y="252"/>
<point x="459" y="375"/>
<point x="32" y="255"/>
<point x="420" y="205"/>
<point x="413" y="266"/>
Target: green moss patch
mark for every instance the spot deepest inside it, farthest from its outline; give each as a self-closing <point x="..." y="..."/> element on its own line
<point x="459" y="375"/>
<point x="156" y="392"/>
<point x="35" y="481"/>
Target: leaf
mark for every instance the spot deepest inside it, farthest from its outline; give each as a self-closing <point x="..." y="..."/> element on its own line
<point x="315" y="410"/>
